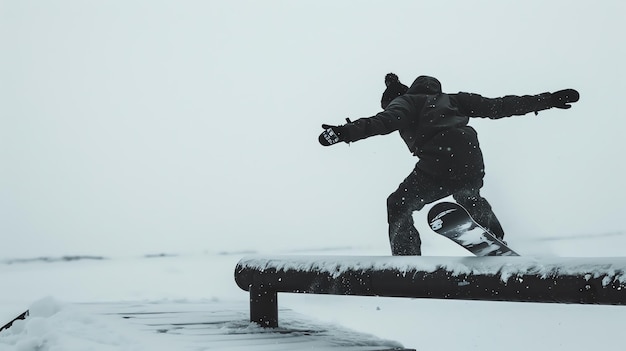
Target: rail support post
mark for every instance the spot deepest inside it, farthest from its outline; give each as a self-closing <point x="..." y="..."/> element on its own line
<point x="263" y="305"/>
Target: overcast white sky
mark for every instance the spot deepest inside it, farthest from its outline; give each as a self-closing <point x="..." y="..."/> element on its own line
<point x="129" y="127"/>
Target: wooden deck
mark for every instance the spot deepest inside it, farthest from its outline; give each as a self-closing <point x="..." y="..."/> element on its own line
<point x="226" y="326"/>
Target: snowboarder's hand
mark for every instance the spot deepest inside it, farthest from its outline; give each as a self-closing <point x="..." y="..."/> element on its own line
<point x="563" y="98"/>
<point x="332" y="135"/>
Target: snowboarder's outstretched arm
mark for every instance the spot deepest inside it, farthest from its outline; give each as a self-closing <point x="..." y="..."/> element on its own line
<point x="474" y="105"/>
<point x="393" y="118"/>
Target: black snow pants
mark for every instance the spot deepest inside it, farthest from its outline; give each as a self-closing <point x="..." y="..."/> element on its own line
<point x="419" y="189"/>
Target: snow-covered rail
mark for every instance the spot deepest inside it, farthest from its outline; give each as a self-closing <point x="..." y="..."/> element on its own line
<point x="520" y="279"/>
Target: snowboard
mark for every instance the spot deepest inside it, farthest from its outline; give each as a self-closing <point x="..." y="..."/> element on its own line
<point x="455" y="223"/>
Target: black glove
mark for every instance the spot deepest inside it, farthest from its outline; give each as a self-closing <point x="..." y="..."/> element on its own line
<point x="332" y="135"/>
<point x="563" y="98"/>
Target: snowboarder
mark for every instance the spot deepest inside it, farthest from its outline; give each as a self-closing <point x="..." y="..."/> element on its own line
<point x="394" y="89"/>
<point x="434" y="126"/>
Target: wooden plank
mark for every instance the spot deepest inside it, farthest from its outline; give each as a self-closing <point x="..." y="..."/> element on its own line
<point x="226" y="326"/>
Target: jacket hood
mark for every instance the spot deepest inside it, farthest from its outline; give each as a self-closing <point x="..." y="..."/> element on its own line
<point x="425" y="85"/>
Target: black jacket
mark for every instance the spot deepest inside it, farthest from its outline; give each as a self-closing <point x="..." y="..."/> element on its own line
<point x="394" y="90"/>
<point x="434" y="125"/>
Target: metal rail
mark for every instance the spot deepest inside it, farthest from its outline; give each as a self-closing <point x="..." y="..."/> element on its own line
<point x="547" y="280"/>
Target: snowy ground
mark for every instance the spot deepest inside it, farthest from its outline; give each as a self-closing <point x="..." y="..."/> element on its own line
<point x="52" y="288"/>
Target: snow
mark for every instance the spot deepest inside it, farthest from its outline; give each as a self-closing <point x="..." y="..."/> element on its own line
<point x="180" y="325"/>
<point x="55" y="325"/>
<point x="614" y="268"/>
<point x="56" y="292"/>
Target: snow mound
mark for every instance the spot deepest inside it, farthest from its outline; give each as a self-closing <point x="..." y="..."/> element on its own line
<point x="53" y="325"/>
